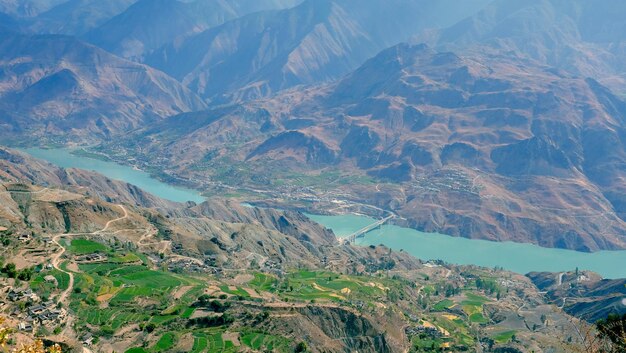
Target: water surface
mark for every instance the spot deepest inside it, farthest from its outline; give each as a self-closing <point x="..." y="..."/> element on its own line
<point x="65" y="159"/>
<point x="521" y="258"/>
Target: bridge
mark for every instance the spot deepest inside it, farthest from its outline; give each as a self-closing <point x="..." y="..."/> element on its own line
<point x="361" y="232"/>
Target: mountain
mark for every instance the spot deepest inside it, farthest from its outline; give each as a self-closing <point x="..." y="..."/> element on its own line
<point x="150" y="24"/>
<point x="71" y="17"/>
<point x="498" y="148"/>
<point x="76" y="17"/>
<point x="583" y="37"/>
<point x="262" y="53"/>
<point x="55" y="85"/>
<point x="28" y="8"/>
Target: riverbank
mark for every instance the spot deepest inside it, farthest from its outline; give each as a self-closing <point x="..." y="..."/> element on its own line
<point x="517" y="257"/>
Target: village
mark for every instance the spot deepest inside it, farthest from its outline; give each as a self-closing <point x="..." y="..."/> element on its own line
<point x="32" y="311"/>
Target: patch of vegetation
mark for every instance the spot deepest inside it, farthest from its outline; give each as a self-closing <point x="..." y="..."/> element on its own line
<point x="443" y="305"/>
<point x="165" y="343"/>
<point x="85" y="246"/>
<point x="263" y="282"/>
<point x="264" y="342"/>
<point x="504" y="337"/>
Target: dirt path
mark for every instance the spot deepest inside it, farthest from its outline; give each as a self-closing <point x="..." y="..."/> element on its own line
<point x="108" y="224"/>
<point x="559" y="279"/>
<point x="56" y="259"/>
<point x="56" y="262"/>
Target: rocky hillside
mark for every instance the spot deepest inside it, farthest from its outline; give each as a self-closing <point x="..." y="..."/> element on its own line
<point x="498" y="148"/>
<point x="59" y="86"/>
<point x="212" y="226"/>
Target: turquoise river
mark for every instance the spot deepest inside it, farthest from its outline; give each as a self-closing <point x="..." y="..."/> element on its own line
<point x="522" y="258"/>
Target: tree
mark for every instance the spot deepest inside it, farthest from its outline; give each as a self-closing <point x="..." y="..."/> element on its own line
<point x="301" y="347"/>
<point x="613" y="328"/>
<point x="35" y="347"/>
<point x="10" y="270"/>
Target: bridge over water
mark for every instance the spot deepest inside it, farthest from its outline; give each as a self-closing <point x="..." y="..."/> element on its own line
<point x="361" y="232"/>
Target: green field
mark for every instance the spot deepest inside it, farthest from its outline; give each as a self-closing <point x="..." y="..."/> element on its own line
<point x="200" y="343"/>
<point x="478" y="318"/>
<point x="165" y="343"/>
<point x="474" y="300"/>
<point x="84" y="246"/>
<point x="504" y="337"/>
<point x="326" y="286"/>
<point x="263" y="282"/>
<point x="136" y="350"/>
<point x="212" y="343"/>
<point x="443" y="305"/>
<point x="264" y="342"/>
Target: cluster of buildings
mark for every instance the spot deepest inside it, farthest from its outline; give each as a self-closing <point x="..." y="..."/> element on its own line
<point x="430" y="331"/>
<point x="274" y="267"/>
<point x="95" y="257"/>
<point x="188" y="265"/>
<point x="35" y="311"/>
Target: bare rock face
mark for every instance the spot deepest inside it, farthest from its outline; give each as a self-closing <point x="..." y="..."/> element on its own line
<point x="357" y="333"/>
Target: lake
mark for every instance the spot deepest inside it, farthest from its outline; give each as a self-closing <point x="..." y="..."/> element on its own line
<point x="522" y="258"/>
<point x="64" y="158"/>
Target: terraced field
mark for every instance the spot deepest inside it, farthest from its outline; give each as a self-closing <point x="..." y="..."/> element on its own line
<point x="84" y="246"/>
<point x="324" y="286"/>
<point x="223" y="314"/>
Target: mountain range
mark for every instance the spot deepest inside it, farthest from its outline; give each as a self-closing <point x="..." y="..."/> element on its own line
<point x="262" y="53"/>
<point x="493" y="129"/>
<point x="500" y="120"/>
<point x="58" y="85"/>
<point x="507" y="129"/>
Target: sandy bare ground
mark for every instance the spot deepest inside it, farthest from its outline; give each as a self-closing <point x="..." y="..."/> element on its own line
<point x="233" y="337"/>
<point x="181" y="291"/>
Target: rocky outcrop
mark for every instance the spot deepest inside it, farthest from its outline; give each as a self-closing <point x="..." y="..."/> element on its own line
<point x="297" y="145"/>
<point x="355" y="332"/>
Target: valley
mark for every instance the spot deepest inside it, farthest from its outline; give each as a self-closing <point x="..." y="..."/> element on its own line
<point x="521" y="258"/>
<point x="119" y="282"/>
<point x="321" y="176"/>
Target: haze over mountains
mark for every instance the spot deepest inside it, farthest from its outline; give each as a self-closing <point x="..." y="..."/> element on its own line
<point x="149" y="24"/>
<point x="508" y="124"/>
<point x="58" y="85"/>
<point x="582" y="37"/>
<point x="317" y="41"/>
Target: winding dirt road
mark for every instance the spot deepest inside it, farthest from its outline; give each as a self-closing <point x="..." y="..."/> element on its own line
<point x="56" y="259"/>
